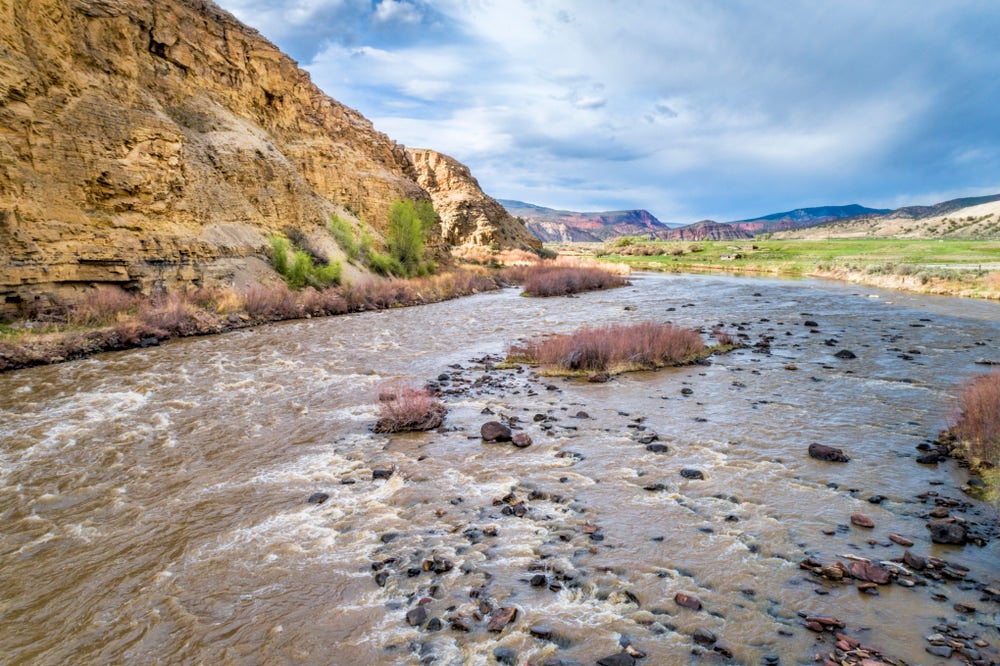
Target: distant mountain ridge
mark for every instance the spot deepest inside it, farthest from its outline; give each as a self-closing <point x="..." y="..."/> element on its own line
<point x="966" y="217"/>
<point x="551" y="225"/>
<point x="804" y="217"/>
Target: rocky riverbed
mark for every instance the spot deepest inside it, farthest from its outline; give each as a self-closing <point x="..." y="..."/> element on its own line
<point x="224" y="499"/>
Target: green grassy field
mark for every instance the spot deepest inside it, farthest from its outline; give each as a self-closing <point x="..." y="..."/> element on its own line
<point x="805" y="256"/>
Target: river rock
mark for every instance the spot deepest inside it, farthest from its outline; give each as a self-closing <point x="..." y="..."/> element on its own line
<point x="381" y="474"/>
<point x="521" y="440"/>
<point x="318" y="498"/>
<point x="872" y="573"/>
<point x="703" y="636"/>
<point x="687" y="601"/>
<point x="828" y="453"/>
<point x="415" y="617"/>
<point x="931" y="458"/>
<point x="599" y="378"/>
<point x="901" y="540"/>
<point x="861" y="520"/>
<point x="657" y="448"/>
<point x="542" y="631"/>
<point x="494" y="431"/>
<point x="620" y="659"/>
<point x="914" y="561"/>
<point x="505" y="656"/>
<point x="947" y="531"/>
<point x="501" y="617"/>
<point x="689" y="473"/>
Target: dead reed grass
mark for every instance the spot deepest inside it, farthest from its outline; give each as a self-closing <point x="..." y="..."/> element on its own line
<point x="102" y="306"/>
<point x="977" y="426"/>
<point x="403" y="408"/>
<point x="614" y="348"/>
<point x="549" y="279"/>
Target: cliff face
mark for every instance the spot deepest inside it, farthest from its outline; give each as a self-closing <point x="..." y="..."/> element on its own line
<point x="152" y="143"/>
<point x="468" y="216"/>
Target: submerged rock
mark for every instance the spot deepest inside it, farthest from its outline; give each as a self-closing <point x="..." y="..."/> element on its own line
<point x="861" y="520"/>
<point x="845" y="354"/>
<point x="318" y="498"/>
<point x="828" y="453"/>
<point x="687" y="601"/>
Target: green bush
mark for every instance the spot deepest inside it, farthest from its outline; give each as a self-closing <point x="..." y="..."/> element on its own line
<point x="383" y="264"/>
<point x="409" y="223"/>
<point x="343" y="233"/>
<point x="301" y="270"/>
<point x="279" y="253"/>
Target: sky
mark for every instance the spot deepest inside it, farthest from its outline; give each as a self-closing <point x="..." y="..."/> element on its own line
<point x="691" y="109"/>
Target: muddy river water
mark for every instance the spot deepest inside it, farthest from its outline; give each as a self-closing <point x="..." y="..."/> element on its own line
<point x="153" y="503"/>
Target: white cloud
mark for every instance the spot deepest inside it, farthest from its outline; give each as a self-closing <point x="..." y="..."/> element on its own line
<point x="396" y="11"/>
<point x="688" y="104"/>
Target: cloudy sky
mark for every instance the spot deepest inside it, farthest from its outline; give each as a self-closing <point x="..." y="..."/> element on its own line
<point x="688" y="108"/>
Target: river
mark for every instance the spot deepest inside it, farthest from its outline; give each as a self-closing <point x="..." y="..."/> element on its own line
<point x="154" y="502"/>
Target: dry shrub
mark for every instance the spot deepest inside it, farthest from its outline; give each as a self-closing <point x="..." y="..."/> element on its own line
<point x="273" y="302"/>
<point x="404" y="408"/>
<point x="219" y="300"/>
<point x="171" y="313"/>
<point x="551" y="280"/>
<point x="102" y="306"/>
<point x="617" y="268"/>
<point x="978" y="424"/>
<point x="516" y="258"/>
<point x="993" y="280"/>
<point x="322" y="303"/>
<point x="473" y="254"/>
<point x="613" y="348"/>
<point x="724" y="337"/>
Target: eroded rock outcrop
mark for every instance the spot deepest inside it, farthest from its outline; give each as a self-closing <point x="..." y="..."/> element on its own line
<point x="152" y="144"/>
<point x="468" y="215"/>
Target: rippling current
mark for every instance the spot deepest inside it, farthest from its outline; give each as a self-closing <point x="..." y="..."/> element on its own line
<point x="153" y="502"/>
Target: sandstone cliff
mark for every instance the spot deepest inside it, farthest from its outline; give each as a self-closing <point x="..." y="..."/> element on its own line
<point x="152" y="143"/>
<point x="468" y="216"/>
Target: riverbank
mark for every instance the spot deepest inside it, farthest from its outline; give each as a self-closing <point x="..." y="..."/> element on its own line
<point x="963" y="268"/>
<point x="109" y="319"/>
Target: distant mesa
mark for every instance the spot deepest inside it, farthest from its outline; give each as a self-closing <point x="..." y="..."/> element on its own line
<point x="566" y="226"/>
<point x="705" y="230"/>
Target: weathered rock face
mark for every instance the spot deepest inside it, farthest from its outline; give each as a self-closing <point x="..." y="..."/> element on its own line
<point x="152" y="143"/>
<point x="468" y="216"/>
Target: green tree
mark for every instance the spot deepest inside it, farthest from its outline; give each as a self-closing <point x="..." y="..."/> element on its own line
<point x="409" y="223"/>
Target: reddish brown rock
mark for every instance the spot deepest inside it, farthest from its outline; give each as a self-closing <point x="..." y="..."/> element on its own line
<point x="521" y="440"/>
<point x="901" y="540"/>
<point x="687" y="601"/>
<point x="501" y="617"/>
<point x="861" y="520"/>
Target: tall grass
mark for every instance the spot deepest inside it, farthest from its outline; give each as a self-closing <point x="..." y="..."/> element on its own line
<point x="613" y="348"/>
<point x="977" y="426"/>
